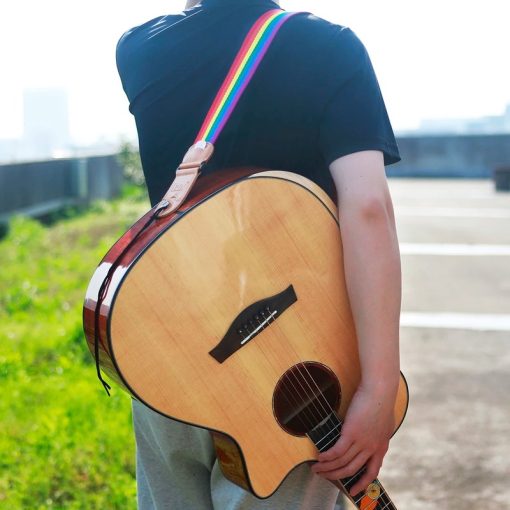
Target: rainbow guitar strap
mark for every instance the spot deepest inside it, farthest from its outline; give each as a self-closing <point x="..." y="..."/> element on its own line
<point x="246" y="62"/>
<point x="243" y="68"/>
<point x="248" y="59"/>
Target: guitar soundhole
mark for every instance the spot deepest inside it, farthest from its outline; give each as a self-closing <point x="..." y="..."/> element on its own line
<point x="305" y="396"/>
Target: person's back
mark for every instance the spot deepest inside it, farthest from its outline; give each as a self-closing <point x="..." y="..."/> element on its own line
<point x="313" y="103"/>
<point x="313" y="99"/>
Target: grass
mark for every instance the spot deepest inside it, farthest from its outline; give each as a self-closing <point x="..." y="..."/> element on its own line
<point x="63" y="443"/>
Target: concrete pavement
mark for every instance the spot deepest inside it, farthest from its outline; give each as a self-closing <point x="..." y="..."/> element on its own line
<point x="453" y="450"/>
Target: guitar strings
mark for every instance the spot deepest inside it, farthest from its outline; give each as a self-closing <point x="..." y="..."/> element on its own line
<point x="305" y="379"/>
<point x="311" y="424"/>
<point x="320" y="417"/>
<point x="303" y="401"/>
<point x="299" y="399"/>
<point x="287" y="393"/>
<point x="313" y="399"/>
<point x="320" y="393"/>
<point x="296" y="395"/>
<point x="356" y="501"/>
<point x="301" y="363"/>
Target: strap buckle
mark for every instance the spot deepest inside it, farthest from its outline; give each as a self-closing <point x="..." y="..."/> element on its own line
<point x="185" y="177"/>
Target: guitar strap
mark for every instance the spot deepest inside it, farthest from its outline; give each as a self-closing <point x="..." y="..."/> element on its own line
<point x="243" y="68"/>
<point x="251" y="53"/>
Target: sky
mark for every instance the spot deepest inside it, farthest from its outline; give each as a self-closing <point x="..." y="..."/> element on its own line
<point x="433" y="59"/>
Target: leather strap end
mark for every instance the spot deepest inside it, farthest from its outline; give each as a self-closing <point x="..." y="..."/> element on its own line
<point x="185" y="177"/>
<point x="198" y="154"/>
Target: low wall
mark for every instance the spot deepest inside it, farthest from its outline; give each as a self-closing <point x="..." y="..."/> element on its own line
<point x="37" y="188"/>
<point x="40" y="187"/>
<point x="467" y="156"/>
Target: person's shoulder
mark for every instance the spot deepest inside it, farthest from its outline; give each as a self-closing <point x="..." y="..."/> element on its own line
<point x="136" y="36"/>
<point x="337" y="41"/>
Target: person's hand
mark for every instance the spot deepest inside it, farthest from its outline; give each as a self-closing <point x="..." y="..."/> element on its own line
<point x="368" y="426"/>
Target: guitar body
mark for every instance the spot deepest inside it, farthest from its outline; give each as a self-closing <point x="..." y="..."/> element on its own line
<point x="191" y="327"/>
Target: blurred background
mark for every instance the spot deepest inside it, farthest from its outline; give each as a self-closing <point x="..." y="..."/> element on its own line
<point x="71" y="184"/>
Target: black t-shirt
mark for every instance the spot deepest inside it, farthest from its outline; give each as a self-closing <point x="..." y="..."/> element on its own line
<point x="314" y="98"/>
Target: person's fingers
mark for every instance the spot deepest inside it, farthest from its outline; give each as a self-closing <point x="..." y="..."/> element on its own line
<point x="348" y="470"/>
<point x="372" y="470"/>
<point x="337" y="462"/>
<point x="337" y="450"/>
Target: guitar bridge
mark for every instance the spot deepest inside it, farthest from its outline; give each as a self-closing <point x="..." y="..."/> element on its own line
<point x="251" y="322"/>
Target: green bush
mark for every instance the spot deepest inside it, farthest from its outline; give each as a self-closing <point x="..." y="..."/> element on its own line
<point x="63" y="444"/>
<point x="129" y="159"/>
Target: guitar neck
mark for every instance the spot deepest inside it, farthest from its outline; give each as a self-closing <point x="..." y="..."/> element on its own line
<point x="325" y="435"/>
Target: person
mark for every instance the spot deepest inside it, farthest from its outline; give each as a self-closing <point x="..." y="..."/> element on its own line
<point x="313" y="107"/>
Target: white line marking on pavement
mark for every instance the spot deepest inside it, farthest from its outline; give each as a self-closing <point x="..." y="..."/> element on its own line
<point x="409" y="194"/>
<point x="472" y="250"/>
<point x="453" y="212"/>
<point x="472" y="321"/>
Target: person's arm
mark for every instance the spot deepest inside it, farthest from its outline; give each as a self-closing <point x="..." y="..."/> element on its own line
<point x="373" y="277"/>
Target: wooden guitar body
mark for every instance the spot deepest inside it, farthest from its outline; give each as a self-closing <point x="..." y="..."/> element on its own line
<point x="190" y="325"/>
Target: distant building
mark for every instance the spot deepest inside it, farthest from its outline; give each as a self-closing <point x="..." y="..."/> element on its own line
<point x="9" y="149"/>
<point x="494" y="124"/>
<point x="45" y="123"/>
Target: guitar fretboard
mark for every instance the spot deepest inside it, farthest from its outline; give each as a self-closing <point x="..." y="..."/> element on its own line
<point x="324" y="436"/>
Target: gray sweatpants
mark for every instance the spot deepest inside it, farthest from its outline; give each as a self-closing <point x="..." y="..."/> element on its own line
<point x="176" y="469"/>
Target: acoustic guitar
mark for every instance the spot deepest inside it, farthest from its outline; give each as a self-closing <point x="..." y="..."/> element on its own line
<point x="225" y="307"/>
<point x="231" y="313"/>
